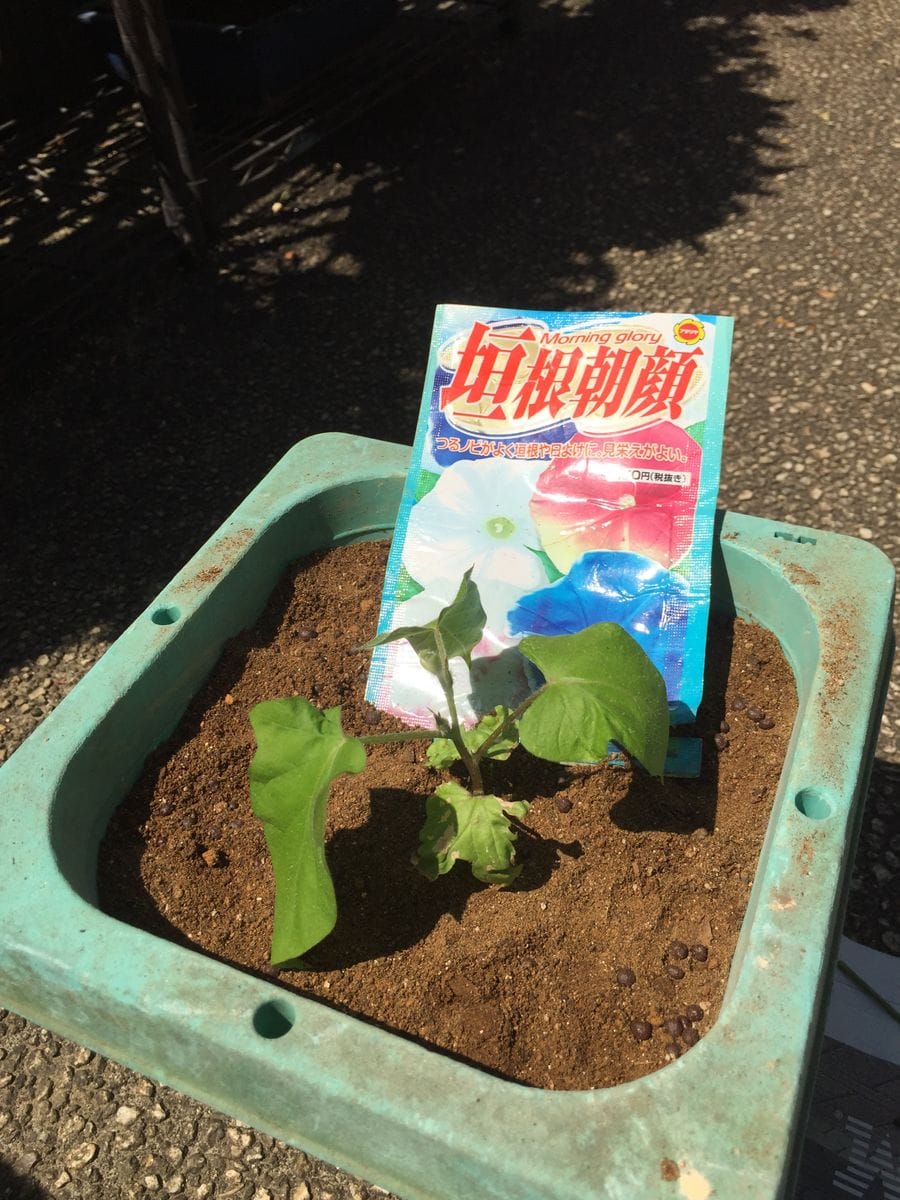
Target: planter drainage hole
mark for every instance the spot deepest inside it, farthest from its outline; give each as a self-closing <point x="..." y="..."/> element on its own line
<point x="795" y="537"/>
<point x="165" y="616"/>
<point x="274" y="1019"/>
<point x="813" y="804"/>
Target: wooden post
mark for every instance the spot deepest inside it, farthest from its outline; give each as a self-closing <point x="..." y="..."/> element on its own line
<point x="147" y="43"/>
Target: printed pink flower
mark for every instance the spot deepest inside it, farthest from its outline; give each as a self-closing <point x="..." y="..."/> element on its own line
<point x="580" y="505"/>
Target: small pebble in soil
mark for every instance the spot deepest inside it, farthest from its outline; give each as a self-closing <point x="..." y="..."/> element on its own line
<point x="625" y="977"/>
<point x="188" y="820"/>
<point x="738" y="704"/>
<point x="674" y="1026"/>
<point x="699" y="952"/>
<point x="306" y="634"/>
<point x="690" y="1037"/>
<point x="373" y="717"/>
<point x="165" y="808"/>
<point x="563" y="803"/>
<point x="672" y="1050"/>
<point x="767" y="723"/>
<point x="724" y="727"/>
<point x="721" y="741"/>
<point x="694" y="1012"/>
<point x="754" y="713"/>
<point x="642" y="1030"/>
<point x="215" y="832"/>
<point x="678" y="949"/>
<point x="674" y="972"/>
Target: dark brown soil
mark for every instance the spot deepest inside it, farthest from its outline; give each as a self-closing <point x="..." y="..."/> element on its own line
<point x="522" y="981"/>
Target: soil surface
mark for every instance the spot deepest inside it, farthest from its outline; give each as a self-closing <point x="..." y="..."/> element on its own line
<point x="604" y="960"/>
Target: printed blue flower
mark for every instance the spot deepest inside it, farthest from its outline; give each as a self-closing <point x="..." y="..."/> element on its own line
<point x="609" y="585"/>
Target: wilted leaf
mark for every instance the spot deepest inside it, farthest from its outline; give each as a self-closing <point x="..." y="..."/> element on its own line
<point x="473" y="828"/>
<point x="300" y="751"/>
<point x="442" y="753"/>
<point x="602" y="688"/>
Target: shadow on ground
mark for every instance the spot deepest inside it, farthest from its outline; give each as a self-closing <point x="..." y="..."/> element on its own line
<point x="16" y="1185"/>
<point x="874" y="899"/>
<point x="515" y="177"/>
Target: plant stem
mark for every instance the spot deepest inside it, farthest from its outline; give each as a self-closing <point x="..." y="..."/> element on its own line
<point x="510" y="721"/>
<point x="408" y="735"/>
<point x="446" y="681"/>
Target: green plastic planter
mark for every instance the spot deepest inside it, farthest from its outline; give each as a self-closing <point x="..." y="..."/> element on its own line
<point x="728" y="1114"/>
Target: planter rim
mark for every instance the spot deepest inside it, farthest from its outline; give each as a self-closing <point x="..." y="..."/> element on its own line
<point x="346" y="1090"/>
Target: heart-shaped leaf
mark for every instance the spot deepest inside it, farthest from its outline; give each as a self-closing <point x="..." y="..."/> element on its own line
<point x="601" y="687"/>
<point x="474" y="828"/>
<point x="300" y="751"/>
<point x="456" y="630"/>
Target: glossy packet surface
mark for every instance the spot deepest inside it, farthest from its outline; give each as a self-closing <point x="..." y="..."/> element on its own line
<point x="572" y="461"/>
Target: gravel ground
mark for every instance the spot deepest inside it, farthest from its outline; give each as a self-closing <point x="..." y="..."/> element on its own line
<point x="736" y="157"/>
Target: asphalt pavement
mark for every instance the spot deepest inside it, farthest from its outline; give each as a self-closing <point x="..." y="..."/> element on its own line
<point x="732" y="157"/>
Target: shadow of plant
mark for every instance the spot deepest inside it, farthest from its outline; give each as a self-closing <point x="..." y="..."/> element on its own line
<point x="384" y="903"/>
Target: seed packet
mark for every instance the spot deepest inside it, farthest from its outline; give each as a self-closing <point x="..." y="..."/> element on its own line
<point x="572" y="461"/>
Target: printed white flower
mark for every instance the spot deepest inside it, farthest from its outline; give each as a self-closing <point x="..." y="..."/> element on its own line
<point x="414" y="694"/>
<point x="477" y="515"/>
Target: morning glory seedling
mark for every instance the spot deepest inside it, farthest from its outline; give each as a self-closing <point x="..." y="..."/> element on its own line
<point x="599" y="687"/>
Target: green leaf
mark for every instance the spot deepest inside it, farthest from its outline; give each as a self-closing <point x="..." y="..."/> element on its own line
<point x="459" y="627"/>
<point x="474" y="828"/>
<point x="406" y="586"/>
<point x="601" y="687"/>
<point x="552" y="571"/>
<point x="300" y="751"/>
<point x="697" y="431"/>
<point x="425" y="482"/>
<point x="442" y="753"/>
<point x="461" y="624"/>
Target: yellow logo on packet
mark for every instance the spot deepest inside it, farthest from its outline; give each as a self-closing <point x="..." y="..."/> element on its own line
<point x="689" y="332"/>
